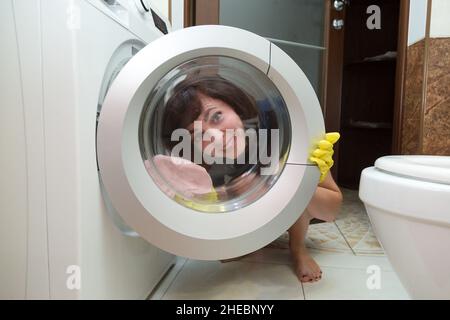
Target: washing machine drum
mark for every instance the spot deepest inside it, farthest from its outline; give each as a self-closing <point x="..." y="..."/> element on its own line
<point x="203" y="142"/>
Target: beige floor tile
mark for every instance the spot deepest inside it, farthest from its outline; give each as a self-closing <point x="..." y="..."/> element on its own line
<point x="269" y="255"/>
<point x="350" y="284"/>
<point x="326" y="237"/>
<point x="167" y="280"/>
<point x="355" y="226"/>
<point x="234" y="280"/>
<point x="350" y="261"/>
<point x="326" y="259"/>
<point x="323" y="237"/>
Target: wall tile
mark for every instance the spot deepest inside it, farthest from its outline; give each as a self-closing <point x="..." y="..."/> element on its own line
<point x="413" y="98"/>
<point x="436" y="123"/>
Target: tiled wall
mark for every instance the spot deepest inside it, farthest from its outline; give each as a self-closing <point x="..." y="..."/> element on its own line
<point x="426" y="109"/>
<point x="412" y="104"/>
<point x="436" y="115"/>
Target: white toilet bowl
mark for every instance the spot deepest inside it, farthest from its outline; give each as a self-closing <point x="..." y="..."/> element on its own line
<point x="408" y="201"/>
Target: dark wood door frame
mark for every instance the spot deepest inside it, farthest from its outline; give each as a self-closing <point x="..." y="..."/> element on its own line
<point x="200" y="12"/>
<point x="188" y="13"/>
<point x="332" y="75"/>
<point x="207" y="12"/>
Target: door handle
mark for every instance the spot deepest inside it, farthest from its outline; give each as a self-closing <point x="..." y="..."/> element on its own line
<point x="338" y="5"/>
<point x="338" y="24"/>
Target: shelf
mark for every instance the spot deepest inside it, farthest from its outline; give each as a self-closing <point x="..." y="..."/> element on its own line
<point x="388" y="57"/>
<point x="367" y="125"/>
<point x="370" y="63"/>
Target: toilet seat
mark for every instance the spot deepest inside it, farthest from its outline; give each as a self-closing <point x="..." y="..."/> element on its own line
<point x="429" y="168"/>
<point x="405" y="186"/>
<point x="407" y="199"/>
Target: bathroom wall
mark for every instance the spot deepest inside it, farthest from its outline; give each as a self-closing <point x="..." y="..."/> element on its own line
<point x="426" y="109"/>
<point x="436" y="115"/>
<point x="162" y="6"/>
<point x="177" y="14"/>
<point x="415" y="57"/>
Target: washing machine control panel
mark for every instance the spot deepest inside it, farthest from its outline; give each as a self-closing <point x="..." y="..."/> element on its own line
<point x="138" y="16"/>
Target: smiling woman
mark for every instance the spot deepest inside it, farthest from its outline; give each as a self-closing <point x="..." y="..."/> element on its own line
<point x="223" y="121"/>
<point x="214" y="103"/>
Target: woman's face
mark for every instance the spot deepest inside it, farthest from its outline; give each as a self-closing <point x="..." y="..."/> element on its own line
<point x="220" y="122"/>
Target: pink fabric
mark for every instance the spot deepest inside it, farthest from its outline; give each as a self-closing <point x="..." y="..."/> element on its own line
<point x="179" y="176"/>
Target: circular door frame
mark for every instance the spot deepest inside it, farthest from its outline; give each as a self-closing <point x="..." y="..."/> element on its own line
<point x="166" y="223"/>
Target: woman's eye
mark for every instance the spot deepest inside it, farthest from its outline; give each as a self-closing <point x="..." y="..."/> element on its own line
<point x="216" y="117"/>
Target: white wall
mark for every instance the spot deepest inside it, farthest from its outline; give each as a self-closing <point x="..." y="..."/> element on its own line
<point x="440" y="19"/>
<point x="417" y="20"/>
<point x="162" y="6"/>
<point x="13" y="164"/>
<point x="177" y="14"/>
<point x="177" y="8"/>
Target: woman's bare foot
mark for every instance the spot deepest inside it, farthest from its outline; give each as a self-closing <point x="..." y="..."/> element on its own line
<point x="306" y="269"/>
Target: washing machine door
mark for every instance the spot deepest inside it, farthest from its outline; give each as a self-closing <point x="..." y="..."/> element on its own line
<point x="203" y="142"/>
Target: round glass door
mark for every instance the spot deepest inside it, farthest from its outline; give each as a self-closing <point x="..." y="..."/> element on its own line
<point x="203" y="141"/>
<point x="215" y="134"/>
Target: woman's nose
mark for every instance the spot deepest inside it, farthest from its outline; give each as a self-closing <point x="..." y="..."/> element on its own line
<point x="207" y="126"/>
<point x="215" y="133"/>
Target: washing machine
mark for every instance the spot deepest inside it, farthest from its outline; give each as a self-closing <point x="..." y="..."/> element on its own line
<point x="57" y="238"/>
<point x="169" y="181"/>
<point x="117" y="118"/>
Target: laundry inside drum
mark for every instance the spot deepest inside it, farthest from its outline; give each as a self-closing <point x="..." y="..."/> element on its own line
<point x="215" y="134"/>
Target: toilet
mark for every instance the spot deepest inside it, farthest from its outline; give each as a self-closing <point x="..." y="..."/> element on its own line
<point x="407" y="199"/>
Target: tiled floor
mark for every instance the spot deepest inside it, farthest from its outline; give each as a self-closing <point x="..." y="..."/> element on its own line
<point x="347" y="251"/>
<point x="351" y="232"/>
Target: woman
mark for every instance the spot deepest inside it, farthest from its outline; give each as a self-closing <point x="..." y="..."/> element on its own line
<point x="219" y="105"/>
<point x="213" y="105"/>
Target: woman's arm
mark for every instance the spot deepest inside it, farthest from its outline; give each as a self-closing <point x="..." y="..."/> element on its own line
<point x="326" y="201"/>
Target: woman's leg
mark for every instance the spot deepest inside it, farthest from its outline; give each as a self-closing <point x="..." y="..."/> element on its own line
<point x="306" y="268"/>
<point x="324" y="205"/>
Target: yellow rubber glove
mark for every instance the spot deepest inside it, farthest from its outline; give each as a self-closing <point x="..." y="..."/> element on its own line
<point x="322" y="155"/>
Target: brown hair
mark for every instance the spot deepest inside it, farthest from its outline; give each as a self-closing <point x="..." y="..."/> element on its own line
<point x="184" y="106"/>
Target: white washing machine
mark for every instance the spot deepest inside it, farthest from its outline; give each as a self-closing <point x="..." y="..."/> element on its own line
<point x="156" y="177"/>
<point x="158" y="92"/>
<point x="57" y="57"/>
